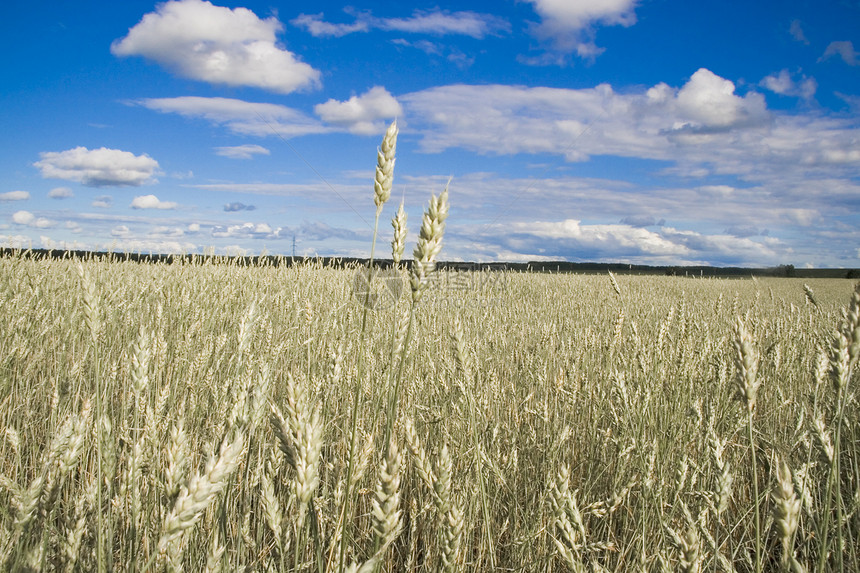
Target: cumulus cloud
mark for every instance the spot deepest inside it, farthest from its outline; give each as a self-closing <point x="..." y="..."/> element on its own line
<point x="703" y="127"/>
<point x="28" y="219"/>
<point x="242" y="151"/>
<point x="23" y="217"/>
<point x="151" y="202"/>
<point x="101" y="167"/>
<point x="14" y="196"/>
<point x="364" y="114"/>
<point x="570" y="24"/>
<point x="247" y="231"/>
<point x="844" y="50"/>
<point x="60" y="193"/>
<point x="163" y="231"/>
<point x="237" y="206"/>
<point x="782" y="83"/>
<point x="242" y="117"/>
<point x="710" y="101"/>
<point x="436" y="22"/>
<point x="197" y="40"/>
<point x="120" y="231"/>
<point x="103" y="202"/>
<point x="609" y="238"/>
<point x="571" y="239"/>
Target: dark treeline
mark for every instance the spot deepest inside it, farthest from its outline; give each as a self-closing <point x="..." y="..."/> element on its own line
<point x="532" y="266"/>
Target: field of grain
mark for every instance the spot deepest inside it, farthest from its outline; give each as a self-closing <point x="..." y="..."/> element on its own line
<point x="206" y="416"/>
<point x="198" y="416"/>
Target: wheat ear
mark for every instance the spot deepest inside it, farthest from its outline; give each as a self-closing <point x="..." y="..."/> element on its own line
<point x="786" y="513"/>
<point x="386" y="506"/>
<point x="429" y="243"/>
<point x="202" y="489"/>
<point x="384" y="178"/>
<point x="398" y="244"/>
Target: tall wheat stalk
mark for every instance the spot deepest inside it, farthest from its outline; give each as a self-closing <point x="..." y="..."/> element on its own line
<point x="383" y="181"/>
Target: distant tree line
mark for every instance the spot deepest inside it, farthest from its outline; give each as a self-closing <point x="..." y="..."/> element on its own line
<point x="785" y="270"/>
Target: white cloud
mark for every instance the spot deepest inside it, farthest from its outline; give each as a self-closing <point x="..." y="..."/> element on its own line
<point x="103" y="202"/>
<point x="603" y="237"/>
<point x="247" y="230"/>
<point x="436" y="22"/>
<point x="194" y="228"/>
<point x="28" y="219"/>
<point x="23" y="217"/>
<point x="702" y="128"/>
<point x="578" y="14"/>
<point x="101" y="167"/>
<point x="844" y="50"/>
<point x="577" y="123"/>
<point x="782" y="83"/>
<point x="240" y="116"/>
<point x="152" y="245"/>
<point x="14" y="196"/>
<point x="443" y="23"/>
<point x="710" y="101"/>
<point x="60" y="193"/>
<point x="198" y="40"/>
<point x="319" y="28"/>
<point x="365" y="114"/>
<point x="73" y="226"/>
<point x="570" y="239"/>
<point x="163" y="231"/>
<point x="120" y="231"/>
<point x="242" y="151"/>
<point x="570" y="23"/>
<point x="151" y="202"/>
<point x="16" y="241"/>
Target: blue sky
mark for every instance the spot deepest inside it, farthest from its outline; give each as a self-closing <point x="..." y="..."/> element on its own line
<point x="648" y="132"/>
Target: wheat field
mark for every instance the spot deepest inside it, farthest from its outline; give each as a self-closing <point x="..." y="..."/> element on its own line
<point x="206" y="416"/>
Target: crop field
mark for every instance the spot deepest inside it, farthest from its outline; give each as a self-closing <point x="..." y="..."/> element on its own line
<point x="206" y="416"/>
<point x="199" y="416"/>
